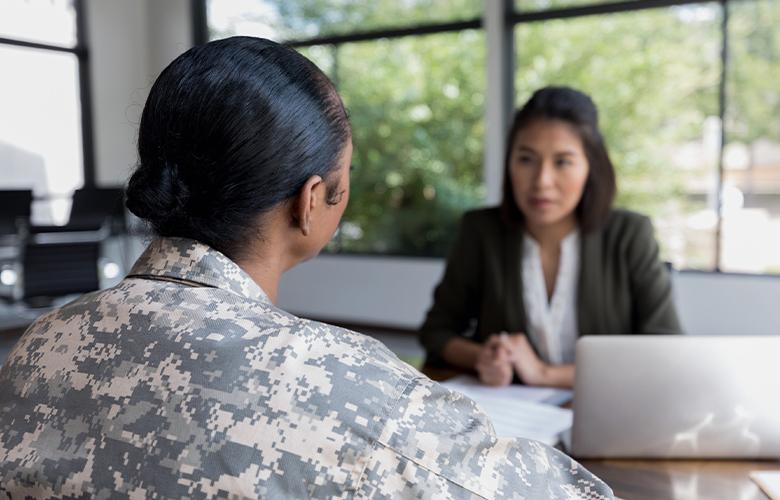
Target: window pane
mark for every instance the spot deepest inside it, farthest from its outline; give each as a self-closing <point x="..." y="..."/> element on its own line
<point x="654" y="75"/>
<point x="537" y="5"/>
<point x="299" y="19"/>
<point x="42" y="21"/>
<point x="324" y="56"/>
<point x="751" y="198"/>
<point x="40" y="132"/>
<point x="416" y="106"/>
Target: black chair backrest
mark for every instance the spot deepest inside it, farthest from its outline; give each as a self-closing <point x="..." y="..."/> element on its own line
<point x="92" y="206"/>
<point x="15" y="207"/>
<point x="56" y="269"/>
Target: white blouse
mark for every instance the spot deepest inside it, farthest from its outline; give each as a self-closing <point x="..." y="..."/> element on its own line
<point x="552" y="325"/>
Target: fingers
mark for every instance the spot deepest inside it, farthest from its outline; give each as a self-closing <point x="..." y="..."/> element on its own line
<point x="495" y="375"/>
<point x="502" y="354"/>
<point x="500" y="345"/>
<point x="494" y="363"/>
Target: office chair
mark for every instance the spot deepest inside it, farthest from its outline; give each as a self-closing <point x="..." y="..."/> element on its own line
<point x="93" y="209"/>
<point x="52" y="270"/>
<point x="15" y="208"/>
<point x="64" y="260"/>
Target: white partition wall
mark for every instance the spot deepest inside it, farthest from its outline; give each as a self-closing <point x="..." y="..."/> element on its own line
<point x="397" y="293"/>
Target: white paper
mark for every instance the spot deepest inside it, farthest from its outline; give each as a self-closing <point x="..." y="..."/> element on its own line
<point x="768" y="481"/>
<point x="545" y="395"/>
<point x="518" y="411"/>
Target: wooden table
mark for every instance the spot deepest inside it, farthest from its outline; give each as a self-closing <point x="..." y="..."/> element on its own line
<point x="680" y="479"/>
<point x="668" y="479"/>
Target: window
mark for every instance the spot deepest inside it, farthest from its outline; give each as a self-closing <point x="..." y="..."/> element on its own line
<point x="416" y="106"/>
<point x="657" y="76"/>
<point x="41" y="135"/>
<point x="42" y="21"/>
<point x="540" y="5"/>
<point x="654" y="76"/>
<point x="686" y="91"/>
<point x="418" y="127"/>
<point x="306" y="19"/>
<point x="750" y="231"/>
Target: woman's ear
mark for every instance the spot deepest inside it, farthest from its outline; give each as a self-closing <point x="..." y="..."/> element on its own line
<point x="305" y="203"/>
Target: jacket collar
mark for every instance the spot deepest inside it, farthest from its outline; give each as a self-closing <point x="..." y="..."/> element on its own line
<point x="182" y="259"/>
<point x="590" y="295"/>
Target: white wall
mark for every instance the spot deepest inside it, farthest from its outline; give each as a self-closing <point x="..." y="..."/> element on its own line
<point x="722" y="304"/>
<point x="130" y="42"/>
<point x="397" y="292"/>
<point x="368" y="290"/>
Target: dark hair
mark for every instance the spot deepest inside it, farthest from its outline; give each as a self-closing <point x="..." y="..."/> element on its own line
<point x="578" y="110"/>
<point x="232" y="128"/>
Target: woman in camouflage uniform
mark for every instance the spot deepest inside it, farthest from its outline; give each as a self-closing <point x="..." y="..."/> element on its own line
<point x="186" y="381"/>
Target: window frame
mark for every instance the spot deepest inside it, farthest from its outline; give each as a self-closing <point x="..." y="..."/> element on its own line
<point x="81" y="51"/>
<point x="509" y="18"/>
<point x="200" y="35"/>
<point x="614" y="7"/>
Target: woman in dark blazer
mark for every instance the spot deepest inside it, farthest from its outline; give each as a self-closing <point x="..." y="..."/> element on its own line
<point x="555" y="261"/>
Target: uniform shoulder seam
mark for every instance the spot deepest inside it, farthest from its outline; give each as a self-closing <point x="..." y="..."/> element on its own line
<point x="410" y="385"/>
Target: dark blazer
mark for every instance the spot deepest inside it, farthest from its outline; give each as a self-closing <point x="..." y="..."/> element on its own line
<point x="623" y="285"/>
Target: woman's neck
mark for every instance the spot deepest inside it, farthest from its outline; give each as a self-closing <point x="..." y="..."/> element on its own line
<point x="551" y="235"/>
<point x="265" y="262"/>
<point x="266" y="272"/>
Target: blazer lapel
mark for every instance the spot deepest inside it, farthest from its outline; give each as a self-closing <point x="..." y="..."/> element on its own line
<point x="514" y="308"/>
<point x="590" y="303"/>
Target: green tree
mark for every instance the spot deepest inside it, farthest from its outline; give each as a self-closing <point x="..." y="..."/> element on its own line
<point x="654" y="75"/>
<point x="417" y="106"/>
<point x="417" y="114"/>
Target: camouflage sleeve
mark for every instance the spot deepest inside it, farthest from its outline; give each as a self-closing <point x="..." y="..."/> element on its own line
<point x="439" y="443"/>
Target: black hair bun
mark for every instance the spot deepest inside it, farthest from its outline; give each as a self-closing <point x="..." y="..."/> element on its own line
<point x="157" y="195"/>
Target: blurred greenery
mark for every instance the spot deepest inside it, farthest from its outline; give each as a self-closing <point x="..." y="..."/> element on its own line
<point x="536" y="5"/>
<point x="417" y="106"/>
<point x="753" y="87"/>
<point x="751" y="237"/>
<point x="654" y="75"/>
<point x="299" y="19"/>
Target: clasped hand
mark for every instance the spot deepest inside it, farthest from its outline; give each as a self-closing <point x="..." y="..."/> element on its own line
<point x="505" y="354"/>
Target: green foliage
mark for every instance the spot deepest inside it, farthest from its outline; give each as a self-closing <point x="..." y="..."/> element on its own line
<point x="654" y="75"/>
<point x="326" y="17"/>
<point x="300" y="19"/>
<point x="535" y="5"/>
<point x="754" y="71"/>
<point x="417" y="106"/>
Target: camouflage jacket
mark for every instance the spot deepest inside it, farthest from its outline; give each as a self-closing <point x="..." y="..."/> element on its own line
<point x="185" y="381"/>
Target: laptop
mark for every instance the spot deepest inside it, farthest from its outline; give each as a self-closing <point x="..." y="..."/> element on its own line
<point x="649" y="396"/>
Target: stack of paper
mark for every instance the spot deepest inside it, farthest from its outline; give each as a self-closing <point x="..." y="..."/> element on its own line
<point x="519" y="411"/>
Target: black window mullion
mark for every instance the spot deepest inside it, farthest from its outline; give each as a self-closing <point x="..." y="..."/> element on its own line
<point x="200" y="28"/>
<point x="42" y="46"/>
<point x="367" y="36"/>
<point x="597" y="9"/>
<point x="722" y="103"/>
<point x="85" y="94"/>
